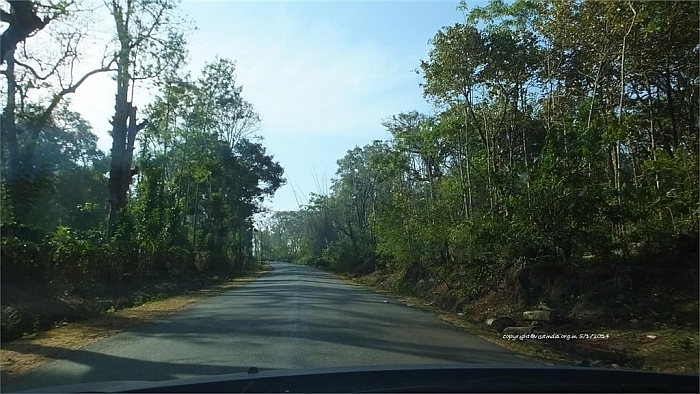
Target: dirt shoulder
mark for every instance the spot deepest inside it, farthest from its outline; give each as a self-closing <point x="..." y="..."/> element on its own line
<point x="661" y="348"/>
<point x="21" y="356"/>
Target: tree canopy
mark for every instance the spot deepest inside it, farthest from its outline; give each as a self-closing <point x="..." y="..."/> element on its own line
<point x="177" y="192"/>
<point x="566" y="137"/>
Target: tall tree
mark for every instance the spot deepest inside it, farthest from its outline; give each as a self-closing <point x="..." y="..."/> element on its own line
<point x="29" y="72"/>
<point x="24" y="20"/>
<point x="147" y="39"/>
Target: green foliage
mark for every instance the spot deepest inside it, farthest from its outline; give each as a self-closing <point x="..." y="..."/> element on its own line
<point x="190" y="208"/>
<point x="548" y="159"/>
<point x="545" y="157"/>
<point x="201" y="178"/>
<point x="24" y="253"/>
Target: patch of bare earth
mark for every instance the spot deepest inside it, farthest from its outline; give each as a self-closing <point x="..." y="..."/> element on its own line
<point x="21" y="356"/>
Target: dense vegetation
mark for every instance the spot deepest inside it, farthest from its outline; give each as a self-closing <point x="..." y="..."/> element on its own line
<point x="561" y="166"/>
<point x="176" y="195"/>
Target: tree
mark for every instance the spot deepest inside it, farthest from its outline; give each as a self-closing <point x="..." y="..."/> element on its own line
<point x="24" y="118"/>
<point x="23" y="20"/>
<point x="565" y="137"/>
<point x="451" y="76"/>
<point x="147" y="40"/>
<point x="195" y="188"/>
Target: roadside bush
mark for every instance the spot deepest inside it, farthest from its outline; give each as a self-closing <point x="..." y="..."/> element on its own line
<point x="72" y="258"/>
<point x="25" y="255"/>
<point x="472" y="240"/>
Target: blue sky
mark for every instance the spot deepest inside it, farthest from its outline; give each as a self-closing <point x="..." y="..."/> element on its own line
<point x="322" y="75"/>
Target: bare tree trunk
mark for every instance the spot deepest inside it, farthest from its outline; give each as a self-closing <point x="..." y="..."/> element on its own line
<point x="9" y="125"/>
<point x="595" y="89"/>
<point x="123" y="140"/>
<point x="239" y="256"/>
<point x="490" y="163"/>
<point x="651" y="134"/>
<point x="23" y="22"/>
<point x="117" y="193"/>
<point x="196" y="212"/>
<point x="468" y="204"/>
<point x="672" y="114"/>
<point x="613" y="164"/>
<point x="527" y="166"/>
<point x="621" y="108"/>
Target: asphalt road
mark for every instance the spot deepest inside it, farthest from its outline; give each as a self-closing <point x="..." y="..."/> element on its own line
<point x="292" y="317"/>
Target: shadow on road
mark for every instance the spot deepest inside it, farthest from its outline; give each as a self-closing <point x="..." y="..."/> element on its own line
<point x="317" y="308"/>
<point x="102" y="367"/>
<point x="305" y="311"/>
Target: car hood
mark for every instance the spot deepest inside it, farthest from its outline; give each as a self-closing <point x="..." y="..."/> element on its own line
<point x="411" y="378"/>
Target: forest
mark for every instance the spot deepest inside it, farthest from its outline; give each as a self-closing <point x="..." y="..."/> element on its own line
<point x="560" y="166"/>
<point x="176" y="194"/>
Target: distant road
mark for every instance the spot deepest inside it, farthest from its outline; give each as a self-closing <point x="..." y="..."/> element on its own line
<point x="292" y="317"/>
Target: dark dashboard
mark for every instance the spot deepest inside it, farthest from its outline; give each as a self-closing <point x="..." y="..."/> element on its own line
<point x="424" y="378"/>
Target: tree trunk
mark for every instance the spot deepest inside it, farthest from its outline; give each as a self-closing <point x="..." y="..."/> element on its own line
<point x="651" y="136"/>
<point x="196" y="211"/>
<point x="122" y="110"/>
<point x="9" y="125"/>
<point x="23" y="22"/>
<point x="621" y="104"/>
<point x="123" y="139"/>
<point x="672" y="114"/>
<point x="468" y="203"/>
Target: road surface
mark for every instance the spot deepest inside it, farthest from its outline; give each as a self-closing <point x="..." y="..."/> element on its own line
<point x="292" y="317"/>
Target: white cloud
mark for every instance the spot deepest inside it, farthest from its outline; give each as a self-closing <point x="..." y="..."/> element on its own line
<point x="303" y="76"/>
<point x="310" y="77"/>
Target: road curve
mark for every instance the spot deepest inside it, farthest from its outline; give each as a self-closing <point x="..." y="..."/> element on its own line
<point x="292" y="317"/>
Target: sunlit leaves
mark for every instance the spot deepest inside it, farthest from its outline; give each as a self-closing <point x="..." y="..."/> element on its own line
<point x="563" y="154"/>
<point x="202" y="179"/>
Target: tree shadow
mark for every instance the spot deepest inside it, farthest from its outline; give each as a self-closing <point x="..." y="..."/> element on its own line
<point x="102" y="367"/>
<point x="304" y="322"/>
